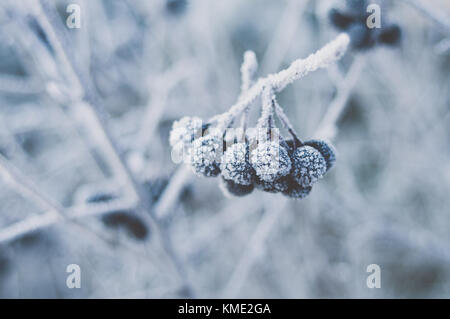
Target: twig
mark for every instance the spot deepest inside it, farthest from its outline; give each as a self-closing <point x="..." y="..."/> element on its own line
<point x="327" y="127"/>
<point x="156" y="106"/>
<point x="285" y="120"/>
<point x="283" y="35"/>
<point x="248" y="70"/>
<point x="50" y="218"/>
<point x="26" y="188"/>
<point x="253" y="249"/>
<point x="324" y="57"/>
<point x="172" y="191"/>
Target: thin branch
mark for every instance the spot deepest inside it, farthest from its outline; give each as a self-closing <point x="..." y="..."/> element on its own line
<point x="324" y="57"/>
<point x="172" y="191"/>
<point x="24" y="186"/>
<point x="327" y="127"/>
<point x="249" y="68"/>
<point x="155" y="108"/>
<point x="253" y="250"/>
<point x="50" y="218"/>
<point x="285" y="120"/>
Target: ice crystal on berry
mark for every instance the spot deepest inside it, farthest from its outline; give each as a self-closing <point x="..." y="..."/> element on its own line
<point x="308" y="165"/>
<point x="326" y="149"/>
<point x="235" y="165"/>
<point x="270" y="161"/>
<point x="205" y="155"/>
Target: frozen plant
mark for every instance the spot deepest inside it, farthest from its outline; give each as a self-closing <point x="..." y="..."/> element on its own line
<point x="261" y="158"/>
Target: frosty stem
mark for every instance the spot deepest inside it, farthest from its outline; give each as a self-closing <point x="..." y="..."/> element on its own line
<point x="324" y="57"/>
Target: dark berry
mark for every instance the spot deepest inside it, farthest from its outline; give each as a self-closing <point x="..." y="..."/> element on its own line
<point x="390" y="35"/>
<point x="276" y="186"/>
<point x="296" y="191"/>
<point x="340" y="19"/>
<point x="231" y="188"/>
<point x="235" y="164"/>
<point x="360" y="36"/>
<point x="133" y="225"/>
<point x="176" y="7"/>
<point x="326" y="149"/>
<point x="308" y="165"/>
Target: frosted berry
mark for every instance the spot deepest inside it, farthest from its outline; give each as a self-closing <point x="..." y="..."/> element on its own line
<point x="270" y="161"/>
<point x="205" y="155"/>
<point x="235" y="165"/>
<point x="278" y="185"/>
<point x="297" y="191"/>
<point x="308" y="165"/>
<point x="231" y="188"/>
<point x="390" y="35"/>
<point x="326" y="149"/>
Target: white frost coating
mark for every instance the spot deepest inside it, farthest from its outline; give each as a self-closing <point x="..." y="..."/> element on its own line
<point x="329" y="54"/>
<point x="321" y="59"/>
<point x="248" y="69"/>
<point x="267" y="99"/>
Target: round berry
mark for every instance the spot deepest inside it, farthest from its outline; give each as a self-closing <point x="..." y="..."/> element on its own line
<point x="205" y="155"/>
<point x="390" y="35"/>
<point x="308" y="165"/>
<point x="270" y="161"/>
<point x="360" y="36"/>
<point x="326" y="149"/>
<point x="231" y="188"/>
<point x="297" y="191"/>
<point x="235" y="164"/>
<point x="278" y="185"/>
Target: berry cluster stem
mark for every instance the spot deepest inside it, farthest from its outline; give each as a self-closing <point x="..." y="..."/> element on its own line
<point x="324" y="57"/>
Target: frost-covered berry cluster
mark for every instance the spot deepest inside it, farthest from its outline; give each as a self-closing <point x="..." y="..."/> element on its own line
<point x="352" y="17"/>
<point x="258" y="157"/>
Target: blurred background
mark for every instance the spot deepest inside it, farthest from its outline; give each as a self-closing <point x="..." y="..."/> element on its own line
<point x="87" y="177"/>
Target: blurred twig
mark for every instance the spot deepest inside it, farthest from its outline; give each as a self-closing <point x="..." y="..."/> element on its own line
<point x="327" y="127"/>
<point x="254" y="248"/>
